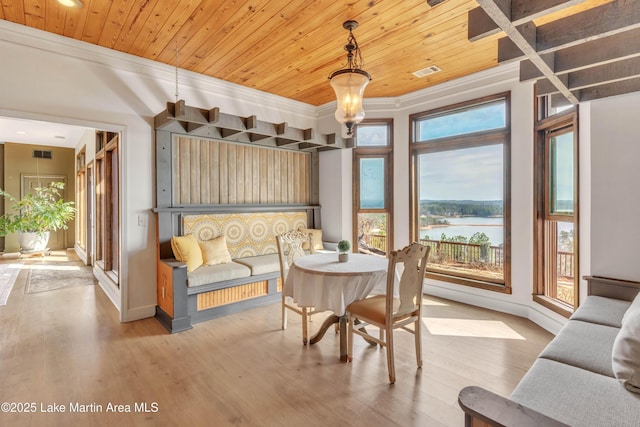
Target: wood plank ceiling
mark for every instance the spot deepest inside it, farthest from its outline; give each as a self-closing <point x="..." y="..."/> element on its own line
<point x="288" y="48"/>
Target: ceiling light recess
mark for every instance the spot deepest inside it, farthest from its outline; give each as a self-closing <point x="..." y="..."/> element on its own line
<point x="71" y="3"/>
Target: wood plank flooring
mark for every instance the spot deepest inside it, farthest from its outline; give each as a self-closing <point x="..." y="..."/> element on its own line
<point x="67" y="347"/>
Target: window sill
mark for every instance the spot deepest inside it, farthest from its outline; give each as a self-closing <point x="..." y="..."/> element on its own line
<point x="489" y="286"/>
<point x="553" y="305"/>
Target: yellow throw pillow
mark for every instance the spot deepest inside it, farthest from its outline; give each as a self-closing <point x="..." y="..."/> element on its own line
<point x="215" y="251"/>
<point x="186" y="249"/>
<point x="317" y="238"/>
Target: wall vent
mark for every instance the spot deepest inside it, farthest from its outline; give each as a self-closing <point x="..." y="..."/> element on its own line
<point x="426" y="71"/>
<point x="42" y="154"/>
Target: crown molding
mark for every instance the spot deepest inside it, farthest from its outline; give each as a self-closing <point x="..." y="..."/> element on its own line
<point x="53" y="43"/>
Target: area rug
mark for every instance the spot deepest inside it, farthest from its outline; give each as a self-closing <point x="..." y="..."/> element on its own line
<point x="8" y="275"/>
<point x="59" y="275"/>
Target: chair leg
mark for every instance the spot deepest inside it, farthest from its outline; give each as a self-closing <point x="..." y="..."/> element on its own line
<point x="418" y="338"/>
<point x="304" y="326"/>
<point x="390" y="361"/>
<point x="349" y="339"/>
<point x="284" y="313"/>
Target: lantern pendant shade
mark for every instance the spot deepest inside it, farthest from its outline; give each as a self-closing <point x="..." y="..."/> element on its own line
<point x="349" y="83"/>
<point x="349" y="87"/>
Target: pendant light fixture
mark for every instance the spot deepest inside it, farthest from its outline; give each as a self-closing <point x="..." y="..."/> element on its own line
<point x="349" y="83"/>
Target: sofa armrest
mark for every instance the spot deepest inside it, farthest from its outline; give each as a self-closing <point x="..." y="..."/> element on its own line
<point x="484" y="408"/>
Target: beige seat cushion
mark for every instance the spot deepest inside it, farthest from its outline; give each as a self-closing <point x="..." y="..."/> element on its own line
<point x="602" y="310"/>
<point x="208" y="274"/>
<point x="261" y="264"/>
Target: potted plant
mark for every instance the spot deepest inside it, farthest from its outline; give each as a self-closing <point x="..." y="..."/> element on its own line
<point x="36" y="214"/>
<point x="343" y="250"/>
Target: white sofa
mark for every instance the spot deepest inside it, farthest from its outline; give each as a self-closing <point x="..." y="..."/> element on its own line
<point x="579" y="379"/>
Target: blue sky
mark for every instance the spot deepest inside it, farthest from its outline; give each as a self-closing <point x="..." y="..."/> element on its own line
<point x="466" y="174"/>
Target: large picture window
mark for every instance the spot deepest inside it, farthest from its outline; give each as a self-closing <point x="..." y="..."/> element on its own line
<point x="373" y="185"/>
<point x="460" y="195"/>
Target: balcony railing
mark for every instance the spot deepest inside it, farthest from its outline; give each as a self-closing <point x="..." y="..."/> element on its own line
<point x="469" y="253"/>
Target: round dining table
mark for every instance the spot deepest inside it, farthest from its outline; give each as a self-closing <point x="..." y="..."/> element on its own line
<point x="322" y="282"/>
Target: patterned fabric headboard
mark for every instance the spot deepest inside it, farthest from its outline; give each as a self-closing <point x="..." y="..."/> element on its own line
<point x="247" y="234"/>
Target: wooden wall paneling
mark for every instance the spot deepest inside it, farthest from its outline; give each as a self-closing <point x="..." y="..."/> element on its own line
<point x="223" y="167"/>
<point x="216" y="172"/>
<point x="232" y="150"/>
<point x="285" y="176"/>
<point x="263" y="167"/>
<point x="214" y="155"/>
<point x="239" y="174"/>
<point x="270" y="176"/>
<point x="194" y="172"/>
<point x="205" y="172"/>
<point x="277" y="189"/>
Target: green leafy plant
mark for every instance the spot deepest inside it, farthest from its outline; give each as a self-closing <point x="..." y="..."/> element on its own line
<point x="38" y="212"/>
<point x="344" y="246"/>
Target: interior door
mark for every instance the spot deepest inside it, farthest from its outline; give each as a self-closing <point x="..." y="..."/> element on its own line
<point x="29" y="183"/>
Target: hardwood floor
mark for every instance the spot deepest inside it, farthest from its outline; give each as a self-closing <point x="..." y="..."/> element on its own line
<point x="67" y="347"/>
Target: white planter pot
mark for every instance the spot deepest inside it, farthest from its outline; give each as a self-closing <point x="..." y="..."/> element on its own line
<point x="30" y="242"/>
<point x="343" y="256"/>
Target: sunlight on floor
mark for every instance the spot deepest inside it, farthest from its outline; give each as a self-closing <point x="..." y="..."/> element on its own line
<point x="471" y="328"/>
<point x="433" y="303"/>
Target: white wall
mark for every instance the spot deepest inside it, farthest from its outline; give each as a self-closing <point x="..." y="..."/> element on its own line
<point x="615" y="193"/>
<point x="56" y="79"/>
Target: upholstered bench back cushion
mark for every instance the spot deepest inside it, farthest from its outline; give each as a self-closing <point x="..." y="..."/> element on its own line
<point x="247" y="234"/>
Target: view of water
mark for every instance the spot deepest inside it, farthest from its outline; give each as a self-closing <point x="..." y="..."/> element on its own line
<point x="467" y="227"/>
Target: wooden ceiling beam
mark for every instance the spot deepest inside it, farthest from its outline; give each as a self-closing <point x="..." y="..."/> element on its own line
<point x="599" y="22"/>
<point x="521" y="11"/>
<point x="523" y="42"/>
<point x="597" y="52"/>
<point x="613" y="89"/>
<point x="595" y="76"/>
<point x="181" y="118"/>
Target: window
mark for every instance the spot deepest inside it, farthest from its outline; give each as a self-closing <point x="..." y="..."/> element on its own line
<point x="373" y="187"/>
<point x="107" y="204"/>
<point x="460" y="160"/>
<point x="556" y="222"/>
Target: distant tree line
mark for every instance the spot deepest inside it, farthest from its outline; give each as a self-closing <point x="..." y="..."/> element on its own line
<point x="483" y="208"/>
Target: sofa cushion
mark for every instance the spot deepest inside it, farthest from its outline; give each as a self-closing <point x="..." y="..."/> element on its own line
<point x="584" y="345"/>
<point x="261" y="264"/>
<point x="187" y="250"/>
<point x="217" y="273"/>
<point x="626" y="352"/>
<point x="214" y="251"/>
<point x="602" y="310"/>
<point x="576" y="396"/>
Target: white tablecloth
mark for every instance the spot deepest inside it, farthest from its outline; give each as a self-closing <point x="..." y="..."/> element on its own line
<point x="320" y="281"/>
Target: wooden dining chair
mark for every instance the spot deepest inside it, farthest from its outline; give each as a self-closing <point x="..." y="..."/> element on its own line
<point x="387" y="312"/>
<point x="290" y="247"/>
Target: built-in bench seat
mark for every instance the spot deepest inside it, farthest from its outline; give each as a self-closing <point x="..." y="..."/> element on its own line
<point x="249" y="278"/>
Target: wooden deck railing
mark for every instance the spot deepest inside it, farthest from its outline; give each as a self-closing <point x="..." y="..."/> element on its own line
<point x="469" y="253"/>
